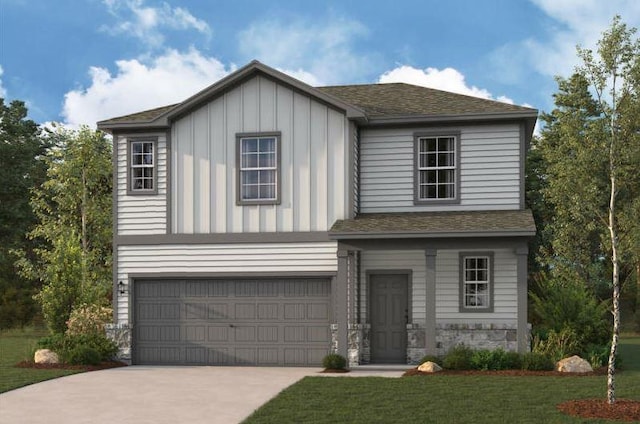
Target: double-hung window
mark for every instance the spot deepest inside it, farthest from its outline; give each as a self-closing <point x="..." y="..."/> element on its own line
<point x="476" y="282"/>
<point x="258" y="169"/>
<point x="436" y="168"/>
<point x="142" y="166"/>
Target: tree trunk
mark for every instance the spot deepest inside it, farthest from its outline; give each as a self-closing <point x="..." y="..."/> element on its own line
<point x="611" y="368"/>
<point x="83" y="217"/>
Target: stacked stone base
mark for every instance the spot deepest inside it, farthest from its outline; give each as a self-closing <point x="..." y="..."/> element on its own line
<point x="476" y="336"/>
<point x="121" y="335"/>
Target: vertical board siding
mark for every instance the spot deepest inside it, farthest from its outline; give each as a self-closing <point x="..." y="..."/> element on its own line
<point x="447" y="284"/>
<point x="489" y="163"/>
<point x="241" y="259"/>
<point x="141" y="214"/>
<point x="313" y="172"/>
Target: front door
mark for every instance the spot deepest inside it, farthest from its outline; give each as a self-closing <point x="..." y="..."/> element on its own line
<point x="389" y="317"/>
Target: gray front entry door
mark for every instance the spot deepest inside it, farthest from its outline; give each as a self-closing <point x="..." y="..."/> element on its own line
<point x="268" y="322"/>
<point x="389" y="317"/>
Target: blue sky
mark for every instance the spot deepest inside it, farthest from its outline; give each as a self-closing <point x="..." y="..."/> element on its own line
<point x="79" y="61"/>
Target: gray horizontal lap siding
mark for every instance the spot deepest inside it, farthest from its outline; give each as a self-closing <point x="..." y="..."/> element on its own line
<point x="489" y="169"/>
<point x="141" y="214"/>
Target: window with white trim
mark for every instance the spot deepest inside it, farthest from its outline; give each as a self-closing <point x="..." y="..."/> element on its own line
<point x="142" y="163"/>
<point x="476" y="282"/>
<point x="436" y="168"/>
<point x="258" y="173"/>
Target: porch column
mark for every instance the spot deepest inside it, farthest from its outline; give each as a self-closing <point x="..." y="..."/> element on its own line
<point x="341" y="301"/>
<point x="430" y="307"/>
<point x="523" y="327"/>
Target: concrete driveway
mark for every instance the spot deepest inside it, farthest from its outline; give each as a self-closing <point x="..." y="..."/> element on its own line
<point x="154" y="395"/>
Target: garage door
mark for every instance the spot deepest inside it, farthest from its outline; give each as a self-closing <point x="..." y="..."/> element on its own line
<point x="283" y="322"/>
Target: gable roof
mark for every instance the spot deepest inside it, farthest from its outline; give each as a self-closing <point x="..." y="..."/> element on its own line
<point x="436" y="224"/>
<point x="372" y="103"/>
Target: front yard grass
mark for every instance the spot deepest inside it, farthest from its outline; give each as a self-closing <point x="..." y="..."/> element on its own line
<point x="15" y="346"/>
<point x="445" y="398"/>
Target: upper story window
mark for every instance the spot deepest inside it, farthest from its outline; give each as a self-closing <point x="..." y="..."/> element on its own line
<point x="476" y="282"/>
<point x="142" y="158"/>
<point x="258" y="169"/>
<point x="436" y="168"/>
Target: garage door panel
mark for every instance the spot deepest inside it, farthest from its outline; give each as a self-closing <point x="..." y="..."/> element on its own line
<point x="245" y="311"/>
<point x="217" y="311"/>
<point x="232" y="322"/>
<point x="219" y="334"/>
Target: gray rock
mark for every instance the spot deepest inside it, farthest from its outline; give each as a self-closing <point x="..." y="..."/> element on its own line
<point x="573" y="364"/>
<point x="46" y="356"/>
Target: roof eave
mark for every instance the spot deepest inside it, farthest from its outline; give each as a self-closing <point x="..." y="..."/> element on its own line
<point x="353" y="235"/>
<point x="111" y="127"/>
<point x="530" y="115"/>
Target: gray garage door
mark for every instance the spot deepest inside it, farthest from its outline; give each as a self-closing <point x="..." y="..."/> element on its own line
<point x="232" y="322"/>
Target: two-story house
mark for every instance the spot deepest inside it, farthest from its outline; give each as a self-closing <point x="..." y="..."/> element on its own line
<point x="267" y="222"/>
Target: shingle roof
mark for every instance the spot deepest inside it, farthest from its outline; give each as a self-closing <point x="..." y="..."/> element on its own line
<point x="144" y="116"/>
<point x="380" y="100"/>
<point x="436" y="224"/>
<point x="406" y="99"/>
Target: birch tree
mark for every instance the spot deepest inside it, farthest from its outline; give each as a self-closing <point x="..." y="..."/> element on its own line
<point x="592" y="148"/>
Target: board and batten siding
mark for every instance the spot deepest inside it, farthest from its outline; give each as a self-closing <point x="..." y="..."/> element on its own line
<point x="141" y="214"/>
<point x="202" y="260"/>
<point x="489" y="169"/>
<point x="314" y="151"/>
<point x="447" y="284"/>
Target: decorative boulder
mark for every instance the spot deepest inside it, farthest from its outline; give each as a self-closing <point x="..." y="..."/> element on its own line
<point x="46" y="356"/>
<point x="429" y="367"/>
<point x="573" y="364"/>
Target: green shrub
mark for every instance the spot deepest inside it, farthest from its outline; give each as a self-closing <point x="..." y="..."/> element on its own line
<point x="431" y="358"/>
<point x="571" y="308"/>
<point x="557" y="345"/>
<point x="497" y="359"/>
<point x="334" y="361"/>
<point x="458" y="358"/>
<point x="535" y="361"/>
<point x="83" y="355"/>
<point x="65" y="345"/>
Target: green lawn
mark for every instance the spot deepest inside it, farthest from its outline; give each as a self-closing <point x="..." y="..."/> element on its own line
<point x="444" y="399"/>
<point x="15" y="346"/>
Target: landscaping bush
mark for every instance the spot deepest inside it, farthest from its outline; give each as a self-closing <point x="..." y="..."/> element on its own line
<point x="557" y="345"/>
<point x="89" y="319"/>
<point x="458" y="358"/>
<point x="573" y="313"/>
<point x="497" y="359"/>
<point x="83" y="355"/>
<point x="66" y="345"/>
<point x="431" y="358"/>
<point x="535" y="361"/>
<point x="334" y="361"/>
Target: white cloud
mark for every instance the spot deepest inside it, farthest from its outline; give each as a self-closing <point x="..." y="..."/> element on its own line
<point x="447" y="79"/>
<point x="147" y="23"/>
<point x="318" y="51"/>
<point x="577" y="22"/>
<point x="138" y="85"/>
<point x="3" y="91"/>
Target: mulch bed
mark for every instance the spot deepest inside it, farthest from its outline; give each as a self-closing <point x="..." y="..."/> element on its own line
<point x="621" y="410"/>
<point x="101" y="366"/>
<point x="333" y="371"/>
<point x="514" y="373"/>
